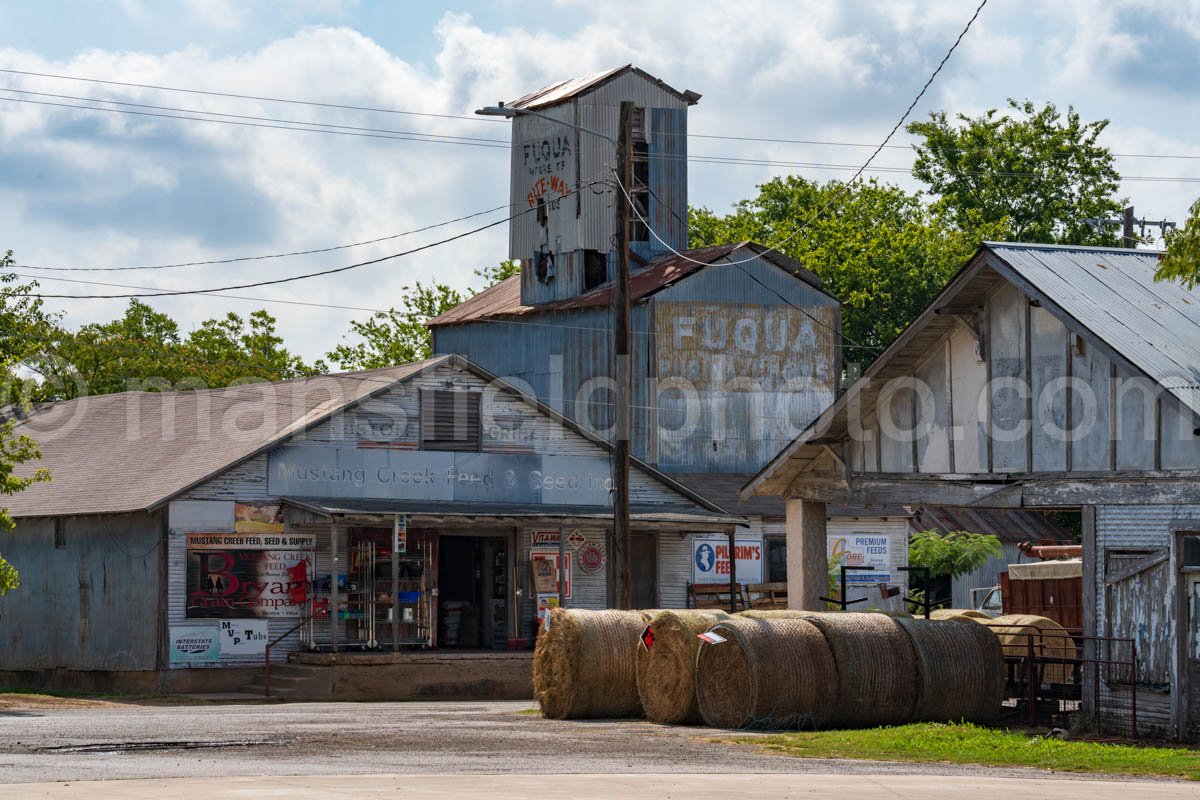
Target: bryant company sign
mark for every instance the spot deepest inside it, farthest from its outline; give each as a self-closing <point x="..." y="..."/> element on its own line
<point x="351" y="472"/>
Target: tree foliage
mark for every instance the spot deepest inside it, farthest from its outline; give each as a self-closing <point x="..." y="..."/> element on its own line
<point x="884" y="252"/>
<point x="955" y="553"/>
<point x="1182" y="259"/>
<point x="399" y="335"/>
<point x="1040" y="174"/>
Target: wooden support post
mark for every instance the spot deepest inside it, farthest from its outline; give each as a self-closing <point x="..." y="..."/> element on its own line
<point x="622" y="534"/>
<point x="395" y="583"/>
<point x="731" y="532"/>
<point x="334" y="532"/>
<point x="807" y="563"/>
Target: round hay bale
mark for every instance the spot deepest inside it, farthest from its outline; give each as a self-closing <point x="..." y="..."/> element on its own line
<point x="585" y="666"/>
<point x="666" y="678"/>
<point x="961" y="668"/>
<point x="1050" y="640"/>
<point x="776" y="613"/>
<point x="769" y="674"/>
<point x="957" y="613"/>
<point x="876" y="666"/>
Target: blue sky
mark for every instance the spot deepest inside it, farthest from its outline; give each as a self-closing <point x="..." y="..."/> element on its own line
<point x="86" y="189"/>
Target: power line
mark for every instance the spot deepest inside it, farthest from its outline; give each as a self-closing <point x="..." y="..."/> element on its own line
<point x="845" y="186"/>
<point x="270" y="255"/>
<point x="260" y="98"/>
<point x="349" y="130"/>
<point x="475" y="118"/>
<point x="247" y="124"/>
<point x="251" y="117"/>
<point x="304" y="276"/>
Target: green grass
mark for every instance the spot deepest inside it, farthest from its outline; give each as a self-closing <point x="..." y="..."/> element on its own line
<point x="530" y="711"/>
<point x="972" y="744"/>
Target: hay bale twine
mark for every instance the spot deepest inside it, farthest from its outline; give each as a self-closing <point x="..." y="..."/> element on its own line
<point x="666" y="673"/>
<point x="585" y="666"/>
<point x="1050" y="640"/>
<point x="769" y="674"/>
<point x="961" y="670"/>
<point x="957" y="614"/>
<point x="876" y="668"/>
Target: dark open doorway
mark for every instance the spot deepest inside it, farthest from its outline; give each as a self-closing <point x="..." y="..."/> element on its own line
<point x="473" y="592"/>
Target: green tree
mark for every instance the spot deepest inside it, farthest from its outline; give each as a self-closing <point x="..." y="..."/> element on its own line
<point x="399" y="335"/>
<point x="235" y="349"/>
<point x="20" y="317"/>
<point x="881" y="250"/>
<point x="953" y="554"/>
<point x="1039" y="173"/>
<point x="1182" y="259"/>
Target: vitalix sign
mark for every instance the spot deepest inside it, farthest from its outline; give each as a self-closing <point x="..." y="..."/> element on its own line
<point x="351" y="472"/>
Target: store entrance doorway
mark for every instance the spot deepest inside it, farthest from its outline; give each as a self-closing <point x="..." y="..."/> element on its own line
<point x="473" y="592"/>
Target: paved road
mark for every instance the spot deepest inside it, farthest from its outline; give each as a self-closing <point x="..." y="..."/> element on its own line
<point x="124" y="741"/>
<point x="594" y="786"/>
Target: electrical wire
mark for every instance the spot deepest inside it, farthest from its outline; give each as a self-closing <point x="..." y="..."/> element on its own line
<point x="476" y="118"/>
<point x="457" y="139"/>
<point x="304" y="276"/>
<point x="846" y="185"/>
<point x="270" y="255"/>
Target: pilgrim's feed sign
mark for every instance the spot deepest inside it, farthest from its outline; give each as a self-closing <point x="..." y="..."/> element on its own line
<point x="236" y="575"/>
<point x="710" y="560"/>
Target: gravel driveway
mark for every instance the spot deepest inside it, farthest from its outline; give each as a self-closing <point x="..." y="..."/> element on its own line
<point x="95" y="741"/>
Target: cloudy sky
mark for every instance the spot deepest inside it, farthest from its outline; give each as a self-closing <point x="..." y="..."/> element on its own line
<point x="92" y="189"/>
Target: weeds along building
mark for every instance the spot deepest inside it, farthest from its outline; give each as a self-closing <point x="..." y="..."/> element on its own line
<point x="419" y="506"/>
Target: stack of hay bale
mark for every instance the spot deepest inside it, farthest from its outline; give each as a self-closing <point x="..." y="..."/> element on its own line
<point x="783" y="669"/>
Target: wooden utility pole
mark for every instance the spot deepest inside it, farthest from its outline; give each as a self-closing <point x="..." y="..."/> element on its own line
<point x="622" y="534"/>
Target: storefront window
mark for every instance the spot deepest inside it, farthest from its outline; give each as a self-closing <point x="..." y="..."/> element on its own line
<point x="776" y="560"/>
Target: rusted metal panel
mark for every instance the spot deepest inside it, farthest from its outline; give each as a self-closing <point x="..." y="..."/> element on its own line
<point x="91" y="605"/>
<point x="1139" y="607"/>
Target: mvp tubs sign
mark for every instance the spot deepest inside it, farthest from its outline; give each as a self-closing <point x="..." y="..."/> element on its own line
<point x="710" y="560"/>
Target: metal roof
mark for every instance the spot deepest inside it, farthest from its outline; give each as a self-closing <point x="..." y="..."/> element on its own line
<point x="1155" y="325"/>
<point x="130" y="451"/>
<point x="504" y="299"/>
<point x="1008" y="525"/>
<point x="1110" y="294"/>
<point x="367" y="506"/>
<point x="572" y="87"/>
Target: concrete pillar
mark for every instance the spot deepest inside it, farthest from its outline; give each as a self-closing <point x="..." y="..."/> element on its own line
<point x="807" y="563"/>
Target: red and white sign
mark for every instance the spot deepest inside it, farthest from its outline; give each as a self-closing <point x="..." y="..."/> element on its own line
<point x="576" y="539"/>
<point x="592" y="558"/>
<point x="544" y="541"/>
<point x="647" y="638"/>
<point x="711" y="638"/>
<point x="563" y="574"/>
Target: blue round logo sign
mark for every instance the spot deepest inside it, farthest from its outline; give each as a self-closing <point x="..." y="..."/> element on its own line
<point x="705" y="558"/>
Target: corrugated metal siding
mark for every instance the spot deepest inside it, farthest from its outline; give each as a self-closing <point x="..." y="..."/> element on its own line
<point x="1129" y="527"/>
<point x="93" y="605"/>
<point x="721" y="332"/>
<point x="986" y="576"/>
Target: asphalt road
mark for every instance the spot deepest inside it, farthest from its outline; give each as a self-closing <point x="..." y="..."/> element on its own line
<point x="104" y="741"/>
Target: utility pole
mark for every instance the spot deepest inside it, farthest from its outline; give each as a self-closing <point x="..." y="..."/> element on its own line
<point x="1128" y="240"/>
<point x="622" y="534"/>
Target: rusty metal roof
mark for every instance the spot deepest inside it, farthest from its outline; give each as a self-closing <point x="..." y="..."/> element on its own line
<point x="562" y="91"/>
<point x="504" y="299"/>
<point x="1007" y="525"/>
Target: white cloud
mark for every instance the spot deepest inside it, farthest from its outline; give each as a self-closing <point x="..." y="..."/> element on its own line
<point x="83" y="188"/>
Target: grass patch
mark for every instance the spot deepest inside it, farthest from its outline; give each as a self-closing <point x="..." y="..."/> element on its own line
<point x="972" y="744"/>
<point x="529" y="712"/>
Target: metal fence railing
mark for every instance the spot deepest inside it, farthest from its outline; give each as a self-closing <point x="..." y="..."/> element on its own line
<point x="1060" y="677"/>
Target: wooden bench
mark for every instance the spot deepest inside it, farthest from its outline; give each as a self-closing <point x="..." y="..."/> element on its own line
<point x="713" y="595"/>
<point x="767" y="595"/>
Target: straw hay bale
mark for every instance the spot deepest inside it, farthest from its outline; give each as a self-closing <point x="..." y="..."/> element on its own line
<point x="586" y="664"/>
<point x="957" y="613"/>
<point x="876" y="668"/>
<point x="961" y="670"/>
<point x="1050" y="640"/>
<point x="666" y="673"/>
<point x="770" y="673"/>
<point x="777" y="613"/>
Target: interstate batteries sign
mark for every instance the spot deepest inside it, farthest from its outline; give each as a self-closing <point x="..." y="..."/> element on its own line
<point x="351" y="472"/>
